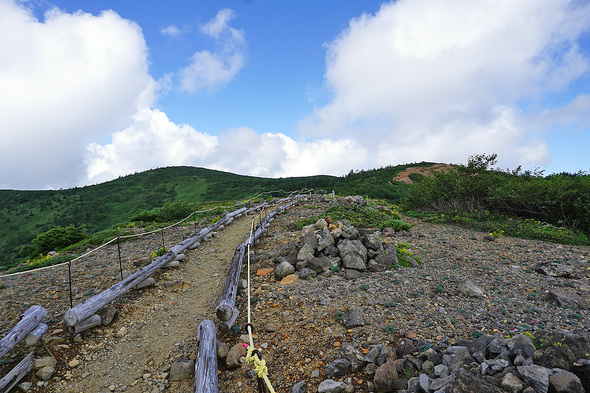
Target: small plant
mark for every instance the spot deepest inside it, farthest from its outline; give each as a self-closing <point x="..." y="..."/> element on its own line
<point x="476" y="334"/>
<point x="338" y="315"/>
<point x="440" y="288"/>
<point x="159" y="253"/>
<point x="389" y="329"/>
<point x="334" y="269"/>
<point x="364" y="287"/>
<point x="497" y="234"/>
<point x="390" y="304"/>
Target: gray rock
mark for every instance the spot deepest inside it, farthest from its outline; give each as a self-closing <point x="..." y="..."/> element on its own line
<point x="472" y="381"/>
<point x="321" y="224"/>
<point x="384" y="377"/>
<point x="372" y="241"/>
<point x="331" y="386"/>
<point x="374" y="352"/>
<point x="45" y="373"/>
<point x="536" y="376"/>
<point x="353" y="318"/>
<point x="554" y="356"/>
<point x="456" y="357"/>
<point x="425" y="382"/>
<point x="352" y="274"/>
<point x="338" y="368"/>
<point x="353" y="355"/>
<point x="404" y="346"/>
<point x="582" y="370"/>
<point x="25" y="386"/>
<point x="283" y="269"/>
<point x="349" y="232"/>
<point x="512" y="384"/>
<point x="182" y="369"/>
<point x="353" y="254"/>
<point x="375" y="267"/>
<point x="108" y="314"/>
<point x="554" y="269"/>
<point x="306" y="253"/>
<point x="300" y="387"/>
<point x="387" y="354"/>
<point x="565" y="382"/>
<point x="469" y="289"/>
<point x="306" y="273"/>
<point x="443" y="384"/>
<point x="388" y="257"/>
<point x="44" y="362"/>
<point x="441" y="371"/>
<point x="320" y="264"/>
<point x="326" y="240"/>
<point x="222" y="350"/>
<point x="564" y="298"/>
<point x="311" y="240"/>
<point x="370" y="370"/>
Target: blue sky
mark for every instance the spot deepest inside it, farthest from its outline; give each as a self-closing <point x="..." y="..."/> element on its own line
<point x="91" y="90"/>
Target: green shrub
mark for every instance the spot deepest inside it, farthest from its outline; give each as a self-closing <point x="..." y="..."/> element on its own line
<point x="54" y="239"/>
<point x="416" y="177"/>
<point x="397" y="225"/>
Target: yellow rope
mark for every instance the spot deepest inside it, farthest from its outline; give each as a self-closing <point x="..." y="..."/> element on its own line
<point x="259" y="367"/>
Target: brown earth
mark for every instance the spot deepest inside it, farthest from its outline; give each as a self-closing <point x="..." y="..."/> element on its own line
<point x="403" y="176"/>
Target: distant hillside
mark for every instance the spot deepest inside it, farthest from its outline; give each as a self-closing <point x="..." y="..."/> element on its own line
<point x="24" y="214"/>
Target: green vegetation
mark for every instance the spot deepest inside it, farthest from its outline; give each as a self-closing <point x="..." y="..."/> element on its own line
<point x="514" y="203"/>
<point x="358" y="216"/>
<point x="161" y="195"/>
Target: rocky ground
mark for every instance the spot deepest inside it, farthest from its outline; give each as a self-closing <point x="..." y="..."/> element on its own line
<point x="467" y="287"/>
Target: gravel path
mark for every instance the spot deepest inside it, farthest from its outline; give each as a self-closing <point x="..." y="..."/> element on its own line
<point x="299" y="326"/>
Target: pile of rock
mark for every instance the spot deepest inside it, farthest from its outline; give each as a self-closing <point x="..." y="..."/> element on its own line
<point x="487" y="364"/>
<point x="329" y="246"/>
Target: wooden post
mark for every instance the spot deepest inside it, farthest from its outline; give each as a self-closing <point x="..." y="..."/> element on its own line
<point x="17" y="373"/>
<point x="206" y="364"/>
<point x="33" y="338"/>
<point x="95" y="303"/>
<point x="30" y="320"/>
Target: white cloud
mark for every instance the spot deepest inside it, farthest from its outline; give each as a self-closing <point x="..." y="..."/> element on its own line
<point x="151" y="141"/>
<point x="170" y="30"/>
<point x="211" y="70"/>
<point x="444" y="80"/>
<point x="65" y="81"/>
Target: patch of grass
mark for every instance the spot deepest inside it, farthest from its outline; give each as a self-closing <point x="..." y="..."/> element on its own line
<point x="389" y="329"/>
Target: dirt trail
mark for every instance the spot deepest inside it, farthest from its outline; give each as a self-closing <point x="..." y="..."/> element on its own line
<point x="134" y="354"/>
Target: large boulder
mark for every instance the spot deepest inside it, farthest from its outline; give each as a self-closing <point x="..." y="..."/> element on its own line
<point x="353" y="254"/>
<point x="388" y="257"/>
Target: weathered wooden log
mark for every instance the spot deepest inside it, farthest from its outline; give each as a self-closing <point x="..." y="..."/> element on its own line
<point x="95" y="303"/>
<point x="225" y="326"/>
<point x="29" y="321"/>
<point x="148" y="282"/>
<point x="88" y="323"/>
<point x="230" y="286"/>
<point x="206" y="363"/>
<point x="34" y="337"/>
<point x="17" y="373"/>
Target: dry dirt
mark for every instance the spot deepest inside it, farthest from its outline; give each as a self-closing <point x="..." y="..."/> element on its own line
<point x="403" y="176"/>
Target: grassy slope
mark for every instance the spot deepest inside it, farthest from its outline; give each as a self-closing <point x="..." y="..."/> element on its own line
<point x="24" y="214"/>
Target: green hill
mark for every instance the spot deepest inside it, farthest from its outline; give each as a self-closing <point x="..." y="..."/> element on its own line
<point x="25" y="214"/>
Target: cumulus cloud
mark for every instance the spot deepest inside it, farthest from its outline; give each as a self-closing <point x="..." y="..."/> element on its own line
<point x="437" y="80"/>
<point x="65" y="81"/>
<point x="211" y="70"/>
<point x="152" y="141"/>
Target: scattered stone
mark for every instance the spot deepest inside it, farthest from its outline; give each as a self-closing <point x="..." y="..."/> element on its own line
<point x="469" y="289"/>
<point x="535" y="376"/>
<point x="236" y="352"/>
<point x="45" y="373"/>
<point x="384" y="377"/>
<point x="554" y="269"/>
<point x="290" y="279"/>
<point x="565" y="382"/>
<point x="564" y="298"/>
<point x="353" y="318"/>
<point x="108" y="314"/>
<point x="182" y="369"/>
<point x="284" y="269"/>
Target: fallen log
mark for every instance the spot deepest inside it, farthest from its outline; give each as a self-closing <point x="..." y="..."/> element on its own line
<point x="225" y="326"/>
<point x="17" y="373"/>
<point x="29" y="321"/>
<point x="230" y="286"/>
<point x="88" y="323"/>
<point x="34" y="337"/>
<point x="95" y="303"/>
<point x="206" y="364"/>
